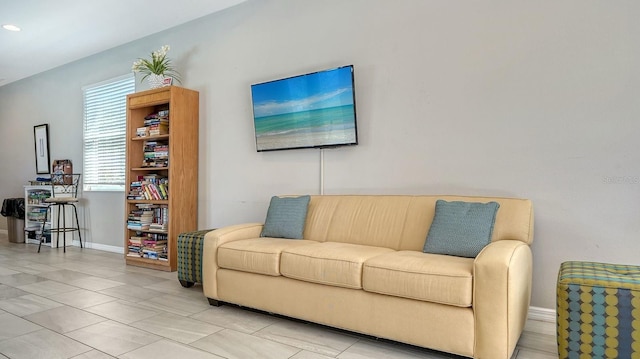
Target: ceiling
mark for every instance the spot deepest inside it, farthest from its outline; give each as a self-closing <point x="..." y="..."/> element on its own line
<point x="56" y="32"/>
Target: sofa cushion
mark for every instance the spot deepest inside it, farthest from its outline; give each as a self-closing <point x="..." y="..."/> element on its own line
<point x="258" y="255"/>
<point x="331" y="263"/>
<point x="461" y="228"/>
<point x="422" y="276"/>
<point x="286" y="217"/>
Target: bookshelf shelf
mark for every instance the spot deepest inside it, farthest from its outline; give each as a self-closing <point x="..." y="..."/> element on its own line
<point x="155" y="231"/>
<point x="39" y="205"/>
<point x="161" y="203"/>
<point x="149" y="201"/>
<point x="151" y="138"/>
<point x="150" y="168"/>
<point x="148" y="263"/>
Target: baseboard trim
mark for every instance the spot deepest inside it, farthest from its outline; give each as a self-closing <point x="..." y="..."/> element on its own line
<point x="100" y="247"/>
<point x="542" y="314"/>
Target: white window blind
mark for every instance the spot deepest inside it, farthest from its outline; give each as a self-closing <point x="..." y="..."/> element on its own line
<point x="105" y="114"/>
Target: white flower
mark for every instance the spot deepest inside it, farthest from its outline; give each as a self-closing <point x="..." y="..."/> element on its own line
<point x="159" y="64"/>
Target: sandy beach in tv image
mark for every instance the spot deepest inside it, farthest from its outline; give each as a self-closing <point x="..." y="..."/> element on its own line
<point x="305" y="111"/>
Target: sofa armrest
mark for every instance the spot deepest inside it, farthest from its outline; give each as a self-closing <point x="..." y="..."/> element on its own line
<point x="215" y="239"/>
<point x="501" y="297"/>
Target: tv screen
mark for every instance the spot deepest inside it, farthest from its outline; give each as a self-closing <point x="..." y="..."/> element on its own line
<point x="306" y="111"/>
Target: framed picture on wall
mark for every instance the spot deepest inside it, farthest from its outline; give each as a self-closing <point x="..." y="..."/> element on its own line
<point x="41" y="139"/>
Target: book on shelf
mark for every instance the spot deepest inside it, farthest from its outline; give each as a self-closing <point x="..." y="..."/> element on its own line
<point x="148" y="245"/>
<point x="156" y="154"/>
<point x="141" y="239"/>
<point x="142" y="132"/>
<point x="155" y="124"/>
<point x="149" y="187"/>
<point x="148" y="217"/>
<point x="36" y="214"/>
<point x="38" y="196"/>
<point x="151" y="254"/>
<point x="158" y="117"/>
<point x="158" y="227"/>
<point x="158" y="129"/>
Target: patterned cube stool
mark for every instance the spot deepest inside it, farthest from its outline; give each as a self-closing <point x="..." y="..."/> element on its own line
<point x="190" y="257"/>
<point x="598" y="310"/>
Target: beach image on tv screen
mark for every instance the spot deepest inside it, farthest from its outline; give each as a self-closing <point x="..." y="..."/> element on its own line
<point x="313" y="110"/>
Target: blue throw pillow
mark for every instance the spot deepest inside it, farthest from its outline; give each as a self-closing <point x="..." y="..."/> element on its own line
<point x="286" y="217"/>
<point x="461" y="228"/>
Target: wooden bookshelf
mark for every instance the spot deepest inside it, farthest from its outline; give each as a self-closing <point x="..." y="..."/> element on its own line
<point x="181" y="171"/>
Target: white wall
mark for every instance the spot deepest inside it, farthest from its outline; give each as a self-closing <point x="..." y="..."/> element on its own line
<point x="535" y="100"/>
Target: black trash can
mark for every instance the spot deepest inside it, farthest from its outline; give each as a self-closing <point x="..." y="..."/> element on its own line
<point x="13" y="209"/>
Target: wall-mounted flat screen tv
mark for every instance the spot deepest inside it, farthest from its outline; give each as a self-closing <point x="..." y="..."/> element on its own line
<point x="312" y="110"/>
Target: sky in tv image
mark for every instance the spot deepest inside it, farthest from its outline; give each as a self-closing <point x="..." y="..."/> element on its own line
<point x="302" y="93"/>
<point x="305" y="111"/>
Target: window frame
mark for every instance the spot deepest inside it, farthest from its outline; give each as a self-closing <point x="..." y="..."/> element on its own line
<point x="124" y="80"/>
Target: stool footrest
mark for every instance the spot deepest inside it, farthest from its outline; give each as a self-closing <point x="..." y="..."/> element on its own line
<point x="190" y="246"/>
<point x="598" y="310"/>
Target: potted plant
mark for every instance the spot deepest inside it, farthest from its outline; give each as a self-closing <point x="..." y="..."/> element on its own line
<point x="157" y="69"/>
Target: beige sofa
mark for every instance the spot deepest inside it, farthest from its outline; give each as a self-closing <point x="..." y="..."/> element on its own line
<point x="361" y="267"/>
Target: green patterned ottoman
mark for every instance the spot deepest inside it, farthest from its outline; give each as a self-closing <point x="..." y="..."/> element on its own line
<point x="598" y="310"/>
<point x="190" y="257"/>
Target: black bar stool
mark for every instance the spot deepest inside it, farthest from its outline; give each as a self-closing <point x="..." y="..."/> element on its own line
<point x="64" y="193"/>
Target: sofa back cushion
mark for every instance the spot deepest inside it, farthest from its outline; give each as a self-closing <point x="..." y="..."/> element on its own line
<point x="402" y="222"/>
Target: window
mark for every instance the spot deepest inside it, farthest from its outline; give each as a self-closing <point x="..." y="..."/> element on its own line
<point x="105" y="114"/>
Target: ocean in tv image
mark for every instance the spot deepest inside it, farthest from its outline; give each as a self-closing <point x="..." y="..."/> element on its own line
<point x="305" y="111"/>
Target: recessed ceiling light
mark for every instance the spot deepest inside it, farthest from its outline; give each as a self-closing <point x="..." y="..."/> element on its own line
<point x="10" y="27"/>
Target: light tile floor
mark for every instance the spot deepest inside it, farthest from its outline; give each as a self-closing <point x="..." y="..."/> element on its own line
<point x="89" y="304"/>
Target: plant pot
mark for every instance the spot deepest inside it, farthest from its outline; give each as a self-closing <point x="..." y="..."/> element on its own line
<point x="155" y="81"/>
